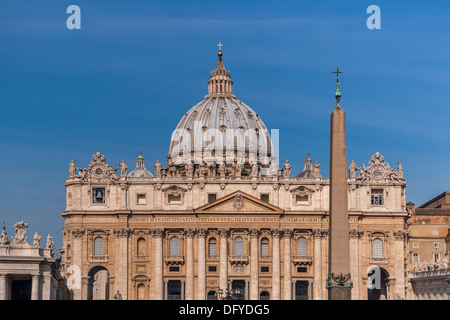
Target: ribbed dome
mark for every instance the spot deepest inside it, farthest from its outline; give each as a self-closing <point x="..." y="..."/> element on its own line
<point x="221" y="127"/>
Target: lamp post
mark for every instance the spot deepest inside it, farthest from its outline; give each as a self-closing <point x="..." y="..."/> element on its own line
<point x="228" y="294"/>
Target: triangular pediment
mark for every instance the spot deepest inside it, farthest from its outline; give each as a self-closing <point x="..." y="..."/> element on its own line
<point x="239" y="202"/>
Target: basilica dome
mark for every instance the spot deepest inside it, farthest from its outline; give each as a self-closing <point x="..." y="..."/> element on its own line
<point x="221" y="128"/>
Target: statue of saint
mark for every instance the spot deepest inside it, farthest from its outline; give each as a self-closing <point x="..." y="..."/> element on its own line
<point x="72" y="169"/>
<point x="123" y="168"/>
<point x="287" y="169"/>
<point x="117" y="296"/>
<point x="4" y="237"/>
<point x="189" y="170"/>
<point x="19" y="238"/>
<point x="317" y="169"/>
<point x="400" y="170"/>
<point x="255" y="170"/>
<point x="158" y="169"/>
<point x="352" y="170"/>
<point x="238" y="171"/>
<point x="222" y="170"/>
<point x="36" y="240"/>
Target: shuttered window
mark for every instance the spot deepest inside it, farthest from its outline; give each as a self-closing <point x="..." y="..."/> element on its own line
<point x="377" y="248"/>
<point x="264" y="248"/>
<point x="99" y="247"/>
<point x="174" y="246"/>
<point x="238" y="246"/>
<point x="301" y="247"/>
<point x="212" y="248"/>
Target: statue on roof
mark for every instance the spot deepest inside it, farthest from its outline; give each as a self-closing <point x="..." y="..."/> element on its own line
<point x="72" y="169"/>
<point x="19" y="238"/>
<point x="123" y="168"/>
<point x="36" y="240"/>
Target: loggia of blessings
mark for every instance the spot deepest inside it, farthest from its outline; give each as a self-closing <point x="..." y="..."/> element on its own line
<point x="226" y="309"/>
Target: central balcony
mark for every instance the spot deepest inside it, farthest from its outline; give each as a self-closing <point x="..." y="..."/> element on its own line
<point x="302" y="260"/>
<point x="174" y="260"/>
<point x="239" y="259"/>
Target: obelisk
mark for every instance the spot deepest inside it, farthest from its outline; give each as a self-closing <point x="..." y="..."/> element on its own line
<point x="339" y="282"/>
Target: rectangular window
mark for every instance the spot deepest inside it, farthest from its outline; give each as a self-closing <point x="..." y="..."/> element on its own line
<point x="174" y="269"/>
<point x="212" y="268"/>
<point x="264" y="269"/>
<point x="264" y="249"/>
<point x="436" y="257"/>
<point x="174" y="198"/>
<point x="435" y="232"/>
<point x="436" y="245"/>
<point x="302" y="269"/>
<point x="212" y="197"/>
<point x="415" y="232"/>
<point x="415" y="257"/>
<point x="140" y="198"/>
<point x="376" y="197"/>
<point x="212" y="249"/>
<point x="98" y="195"/>
<point x="301" y="200"/>
<point x="265" y="197"/>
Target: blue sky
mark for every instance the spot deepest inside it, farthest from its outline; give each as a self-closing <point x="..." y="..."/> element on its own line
<point x="122" y="83"/>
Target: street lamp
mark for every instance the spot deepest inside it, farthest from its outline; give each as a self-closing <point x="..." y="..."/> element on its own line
<point x="228" y="294"/>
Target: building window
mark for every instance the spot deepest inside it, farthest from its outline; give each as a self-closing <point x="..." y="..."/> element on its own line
<point x="264" y="269"/>
<point x="140" y="198"/>
<point x="174" y="269"/>
<point x="415" y="257"/>
<point x="376" y="197"/>
<point x="436" y="245"/>
<point x="212" y="247"/>
<point x="435" y="232"/>
<point x="302" y="269"/>
<point x="99" y="247"/>
<point x="212" y="268"/>
<point x="174" y="246"/>
<point x="301" y="200"/>
<point x="415" y="232"/>
<point x="377" y="248"/>
<point x="98" y="195"/>
<point x="265" y="197"/>
<point x="265" y="247"/>
<point x="212" y="295"/>
<point x="301" y="247"/>
<point x="436" y="257"/>
<point x="212" y="197"/>
<point x="174" y="198"/>
<point x="264" y="295"/>
<point x="238" y="246"/>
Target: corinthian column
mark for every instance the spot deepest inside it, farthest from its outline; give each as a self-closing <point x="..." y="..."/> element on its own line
<point x="158" y="245"/>
<point x="354" y="262"/>
<point x="276" y="285"/>
<point x="201" y="286"/>
<point x="254" y="272"/>
<point x="287" y="234"/>
<point x="399" y="238"/>
<point x="189" y="264"/>
<point x="77" y="262"/>
<point x="317" y="233"/>
<point x="122" y="261"/>
<point x="223" y="276"/>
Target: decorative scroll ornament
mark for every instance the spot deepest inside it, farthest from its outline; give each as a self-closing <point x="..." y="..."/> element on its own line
<point x="378" y="171"/>
<point x="340" y="281"/>
<point x="238" y="202"/>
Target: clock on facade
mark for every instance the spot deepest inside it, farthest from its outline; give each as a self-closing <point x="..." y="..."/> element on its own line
<point x="377" y="172"/>
<point x="98" y="171"/>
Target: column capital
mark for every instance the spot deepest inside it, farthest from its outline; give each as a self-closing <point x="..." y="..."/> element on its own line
<point x="287" y="233"/>
<point x="317" y="233"/>
<point x="202" y="232"/>
<point x="223" y="232"/>
<point x="254" y="233"/>
<point x="355" y="233"/>
<point x="122" y="232"/>
<point x="189" y="232"/>
<point x="399" y="234"/>
<point x="157" y="233"/>
<point x="78" y="233"/>
<point x="276" y="233"/>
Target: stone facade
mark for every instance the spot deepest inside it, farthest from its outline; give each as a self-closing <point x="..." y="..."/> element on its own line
<point x="28" y="272"/>
<point x="194" y="229"/>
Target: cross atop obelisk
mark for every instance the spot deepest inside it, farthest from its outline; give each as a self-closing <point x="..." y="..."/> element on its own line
<point x="337" y="94"/>
<point x="339" y="282"/>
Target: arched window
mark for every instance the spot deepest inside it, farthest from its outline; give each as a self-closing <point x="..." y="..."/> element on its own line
<point x="238" y="246"/>
<point x="141" y="247"/>
<point x="264" y="295"/>
<point x="212" y="295"/>
<point x="99" y="247"/>
<point x="174" y="246"/>
<point x="68" y="253"/>
<point x="377" y="248"/>
<point x="264" y="247"/>
<point x="301" y="247"/>
<point x="212" y="247"/>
